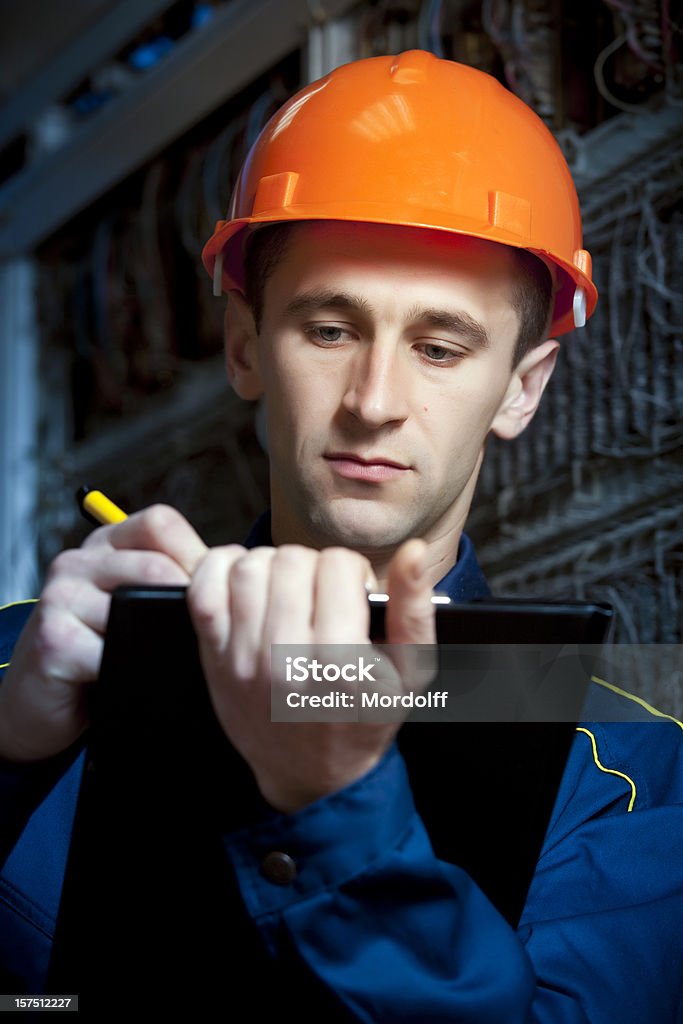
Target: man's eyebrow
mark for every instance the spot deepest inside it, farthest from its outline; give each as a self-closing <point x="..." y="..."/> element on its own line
<point x="313" y="301"/>
<point x="455" y="322"/>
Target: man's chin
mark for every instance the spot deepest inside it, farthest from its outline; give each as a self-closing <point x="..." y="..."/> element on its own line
<point x="366" y="528"/>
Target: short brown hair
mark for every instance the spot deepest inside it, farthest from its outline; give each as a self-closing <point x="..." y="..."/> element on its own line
<point x="531" y="298"/>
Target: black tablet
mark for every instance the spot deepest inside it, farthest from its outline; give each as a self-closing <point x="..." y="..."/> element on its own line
<point x="149" y="899"/>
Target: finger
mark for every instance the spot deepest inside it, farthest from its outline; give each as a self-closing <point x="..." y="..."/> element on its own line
<point x="81" y="655"/>
<point x="208" y="598"/>
<point x="249" y="589"/>
<point x="342" y="614"/>
<point x="85" y="600"/>
<point x="158" y="528"/>
<point x="410" y="614"/>
<point x="82" y="579"/>
<point x="118" y="568"/>
<point x="59" y="646"/>
<point x="289" y="615"/>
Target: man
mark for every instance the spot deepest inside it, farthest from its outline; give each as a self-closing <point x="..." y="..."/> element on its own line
<point x="403" y="241"/>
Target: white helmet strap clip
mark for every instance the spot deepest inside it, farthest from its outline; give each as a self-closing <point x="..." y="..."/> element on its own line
<point x="579" y="308"/>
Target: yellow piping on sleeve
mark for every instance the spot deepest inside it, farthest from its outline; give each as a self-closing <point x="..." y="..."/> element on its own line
<point x="13" y="604"/>
<point x="638" y="700"/>
<point x="610" y="771"/>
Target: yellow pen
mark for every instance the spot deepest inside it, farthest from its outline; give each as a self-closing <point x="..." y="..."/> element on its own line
<point x="97" y="507"/>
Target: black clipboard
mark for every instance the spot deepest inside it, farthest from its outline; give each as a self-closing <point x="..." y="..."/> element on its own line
<point x="148" y="888"/>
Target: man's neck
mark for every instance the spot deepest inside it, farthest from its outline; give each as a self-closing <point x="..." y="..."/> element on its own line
<point x="442" y="553"/>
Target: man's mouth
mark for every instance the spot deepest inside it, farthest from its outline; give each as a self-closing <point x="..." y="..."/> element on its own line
<point x="373" y="469"/>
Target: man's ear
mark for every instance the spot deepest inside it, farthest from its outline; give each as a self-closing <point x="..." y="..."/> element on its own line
<point x="524" y="391"/>
<point x="241" y="355"/>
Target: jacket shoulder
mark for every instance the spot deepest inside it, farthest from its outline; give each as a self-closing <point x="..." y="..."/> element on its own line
<point x="644" y="743"/>
<point x="626" y="756"/>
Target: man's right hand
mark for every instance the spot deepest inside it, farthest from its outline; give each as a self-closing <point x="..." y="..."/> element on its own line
<point x="43" y="693"/>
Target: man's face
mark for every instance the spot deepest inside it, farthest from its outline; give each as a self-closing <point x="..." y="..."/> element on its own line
<point x="384" y="356"/>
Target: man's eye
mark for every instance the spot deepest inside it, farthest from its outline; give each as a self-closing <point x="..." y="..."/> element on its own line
<point x="328" y="335"/>
<point x="439" y="354"/>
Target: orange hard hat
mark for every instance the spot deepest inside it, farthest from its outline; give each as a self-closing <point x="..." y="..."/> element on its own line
<point x="418" y="141"/>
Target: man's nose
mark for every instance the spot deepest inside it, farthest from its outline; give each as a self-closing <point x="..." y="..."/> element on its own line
<point x="377" y="389"/>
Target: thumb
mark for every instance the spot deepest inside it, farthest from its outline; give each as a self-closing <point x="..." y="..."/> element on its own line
<point x="410" y="614"/>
